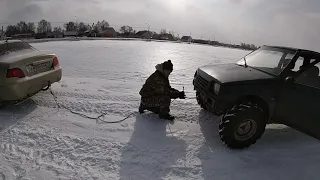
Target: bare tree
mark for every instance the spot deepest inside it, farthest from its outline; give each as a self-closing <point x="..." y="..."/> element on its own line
<point x="57" y="29"/>
<point x="22" y="27"/>
<point x="104" y="25"/>
<point x="163" y="31"/>
<point x="98" y="27"/>
<point x="83" y="27"/>
<point x="130" y="29"/>
<point x="172" y="33"/>
<point x="11" y="30"/>
<point x="101" y="26"/>
<point x="126" y="29"/>
<point x="71" y="26"/>
<point x="44" y="26"/>
<point x="31" y="27"/>
<point x="123" y="29"/>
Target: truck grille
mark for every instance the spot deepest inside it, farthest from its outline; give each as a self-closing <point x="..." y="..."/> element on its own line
<point x="201" y="82"/>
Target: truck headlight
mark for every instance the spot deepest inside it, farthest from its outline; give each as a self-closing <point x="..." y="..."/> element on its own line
<point x="216" y="88"/>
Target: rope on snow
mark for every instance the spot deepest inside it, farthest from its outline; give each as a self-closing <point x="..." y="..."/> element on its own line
<point x="89" y="117"/>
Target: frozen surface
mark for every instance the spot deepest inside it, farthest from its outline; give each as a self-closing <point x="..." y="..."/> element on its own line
<point x="40" y="141"/>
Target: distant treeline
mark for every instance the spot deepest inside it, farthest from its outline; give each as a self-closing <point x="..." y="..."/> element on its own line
<point x="102" y="28"/>
<point x="217" y="43"/>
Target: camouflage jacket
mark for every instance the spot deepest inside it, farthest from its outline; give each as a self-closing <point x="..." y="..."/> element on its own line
<point x="158" y="85"/>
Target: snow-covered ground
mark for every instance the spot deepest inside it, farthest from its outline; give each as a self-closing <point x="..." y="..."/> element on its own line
<point x="40" y="141"/>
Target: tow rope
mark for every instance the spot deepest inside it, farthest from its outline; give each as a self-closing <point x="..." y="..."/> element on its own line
<point x="100" y="117"/>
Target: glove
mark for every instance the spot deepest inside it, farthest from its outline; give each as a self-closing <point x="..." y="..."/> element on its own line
<point x="173" y="89"/>
<point x="182" y="95"/>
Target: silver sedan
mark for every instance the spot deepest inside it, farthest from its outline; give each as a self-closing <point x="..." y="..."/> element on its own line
<point x="24" y="70"/>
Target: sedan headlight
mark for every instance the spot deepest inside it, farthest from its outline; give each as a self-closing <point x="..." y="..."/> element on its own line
<point x="216" y="88"/>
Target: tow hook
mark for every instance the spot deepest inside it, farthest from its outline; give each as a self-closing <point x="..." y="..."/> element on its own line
<point x="49" y="85"/>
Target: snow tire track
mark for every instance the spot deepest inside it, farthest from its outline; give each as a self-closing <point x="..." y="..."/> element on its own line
<point x="105" y="97"/>
<point x="47" y="148"/>
<point x="119" y="105"/>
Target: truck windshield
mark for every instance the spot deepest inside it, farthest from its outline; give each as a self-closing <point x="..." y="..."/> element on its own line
<point x="270" y="60"/>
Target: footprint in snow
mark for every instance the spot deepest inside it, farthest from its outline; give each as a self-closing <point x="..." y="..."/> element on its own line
<point x="2" y="176"/>
<point x="82" y="83"/>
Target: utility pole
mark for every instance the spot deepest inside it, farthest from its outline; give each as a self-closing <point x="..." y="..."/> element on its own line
<point x="173" y="35"/>
<point x="76" y="27"/>
<point x="149" y="30"/>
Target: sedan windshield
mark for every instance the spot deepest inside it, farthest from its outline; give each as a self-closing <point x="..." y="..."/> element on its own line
<point x="13" y="46"/>
<point x="270" y="60"/>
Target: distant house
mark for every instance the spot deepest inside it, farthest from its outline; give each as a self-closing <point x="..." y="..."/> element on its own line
<point x="49" y="35"/>
<point x="54" y="35"/>
<point x="91" y="33"/>
<point x="108" y="32"/>
<point x="119" y="35"/>
<point x="200" y="41"/>
<point x="1" y="34"/>
<point x="70" y="33"/>
<point x="186" y="38"/>
<point x="155" y="36"/>
<point x="164" y="37"/>
<point x="144" y="34"/>
<point x="169" y="37"/>
<point x="40" y="35"/>
<point x="214" y="43"/>
<point x="140" y="33"/>
<point x="23" y="36"/>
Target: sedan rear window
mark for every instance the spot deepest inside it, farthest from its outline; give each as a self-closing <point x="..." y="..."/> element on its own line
<point x="13" y="46"/>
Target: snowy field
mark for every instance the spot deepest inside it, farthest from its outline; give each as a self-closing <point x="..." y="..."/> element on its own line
<point x="41" y="141"/>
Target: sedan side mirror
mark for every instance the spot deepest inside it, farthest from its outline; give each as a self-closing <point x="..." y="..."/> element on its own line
<point x="289" y="79"/>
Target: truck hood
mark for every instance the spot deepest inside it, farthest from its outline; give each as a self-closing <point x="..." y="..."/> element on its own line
<point x="232" y="73"/>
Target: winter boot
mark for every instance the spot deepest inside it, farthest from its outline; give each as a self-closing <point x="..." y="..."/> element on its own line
<point x="155" y="110"/>
<point x="142" y="108"/>
<point x="167" y="117"/>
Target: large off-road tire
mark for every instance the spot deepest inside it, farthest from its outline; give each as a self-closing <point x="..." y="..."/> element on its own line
<point x="200" y="101"/>
<point x="242" y="125"/>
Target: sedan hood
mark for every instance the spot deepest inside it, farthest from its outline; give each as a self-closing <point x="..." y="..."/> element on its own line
<point x="232" y="73"/>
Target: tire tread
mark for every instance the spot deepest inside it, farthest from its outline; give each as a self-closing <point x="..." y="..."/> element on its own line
<point x="229" y="120"/>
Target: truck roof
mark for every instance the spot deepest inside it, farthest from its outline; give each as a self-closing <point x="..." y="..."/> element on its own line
<point x="314" y="53"/>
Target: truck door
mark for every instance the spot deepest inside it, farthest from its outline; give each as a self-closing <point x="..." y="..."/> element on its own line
<point x="299" y="100"/>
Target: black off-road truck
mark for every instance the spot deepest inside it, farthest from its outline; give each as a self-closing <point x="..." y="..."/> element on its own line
<point x="269" y="85"/>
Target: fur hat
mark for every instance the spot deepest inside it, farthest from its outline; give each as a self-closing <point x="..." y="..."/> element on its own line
<point x="168" y="65"/>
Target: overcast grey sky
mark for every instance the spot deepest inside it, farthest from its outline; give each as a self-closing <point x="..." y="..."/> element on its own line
<point x="274" y="22"/>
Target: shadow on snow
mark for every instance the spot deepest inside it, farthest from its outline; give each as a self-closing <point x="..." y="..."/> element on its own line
<point x="13" y="114"/>
<point x="151" y="152"/>
<point x="281" y="153"/>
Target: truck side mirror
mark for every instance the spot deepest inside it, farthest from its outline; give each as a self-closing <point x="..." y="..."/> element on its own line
<point x="289" y="80"/>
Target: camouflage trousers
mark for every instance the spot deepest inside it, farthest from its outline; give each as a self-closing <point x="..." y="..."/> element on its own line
<point x="157" y="104"/>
